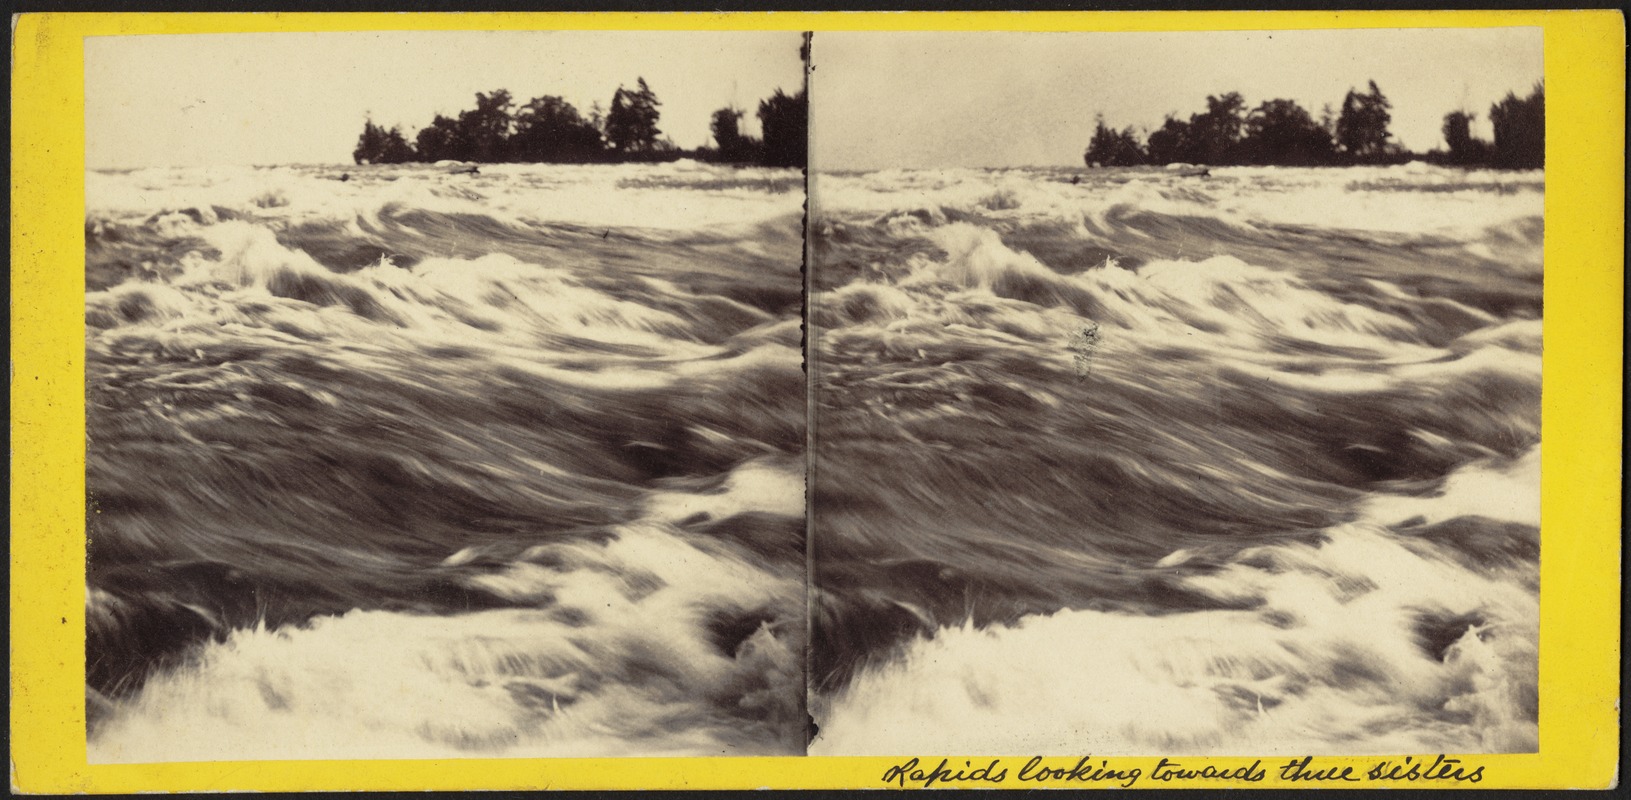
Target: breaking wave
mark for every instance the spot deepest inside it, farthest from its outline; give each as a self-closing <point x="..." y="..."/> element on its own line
<point x="423" y="464"/>
<point x="1147" y="463"/>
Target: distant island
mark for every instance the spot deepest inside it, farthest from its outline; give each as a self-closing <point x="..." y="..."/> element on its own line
<point x="548" y="129"/>
<point x="1280" y="132"/>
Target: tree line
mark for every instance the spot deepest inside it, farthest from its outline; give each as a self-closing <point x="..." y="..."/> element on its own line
<point x="1519" y="125"/>
<point x="783" y="120"/>
<point x="549" y="129"/>
<point x="1281" y="132"/>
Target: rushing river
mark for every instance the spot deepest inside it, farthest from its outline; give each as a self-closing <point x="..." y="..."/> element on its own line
<point x="404" y="462"/>
<point x="1137" y="463"/>
<point x="399" y="462"/>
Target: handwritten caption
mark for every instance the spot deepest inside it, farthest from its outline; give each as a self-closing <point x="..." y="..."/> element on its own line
<point x="1303" y="770"/>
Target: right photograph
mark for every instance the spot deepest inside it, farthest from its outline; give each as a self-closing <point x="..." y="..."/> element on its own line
<point x="1175" y="393"/>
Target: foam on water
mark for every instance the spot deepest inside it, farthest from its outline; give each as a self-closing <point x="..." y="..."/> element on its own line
<point x="424" y="465"/>
<point x="1419" y="200"/>
<point x="1330" y="658"/>
<point x="614" y="652"/>
<point x="1151" y="464"/>
<point x="513" y="193"/>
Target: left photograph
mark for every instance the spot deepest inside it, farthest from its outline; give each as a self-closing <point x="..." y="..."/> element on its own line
<point x="444" y="395"/>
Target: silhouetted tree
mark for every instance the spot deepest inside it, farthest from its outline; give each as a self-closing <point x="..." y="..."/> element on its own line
<point x="485" y="129"/>
<point x="440" y="141"/>
<point x="397" y="149"/>
<point x="724" y="127"/>
<point x="1112" y="148"/>
<point x="550" y="129"/>
<point x="784" y="120"/>
<point x="733" y="146"/>
<point x="1214" y="134"/>
<point x="1169" y="143"/>
<point x="1520" y="130"/>
<point x="377" y="145"/>
<point x="370" y="144"/>
<point x="631" y="125"/>
<point x="1282" y="132"/>
<point x="1464" y="148"/>
<point x="1362" y="129"/>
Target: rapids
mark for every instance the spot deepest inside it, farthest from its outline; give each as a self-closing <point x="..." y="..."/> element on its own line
<point x="1148" y="464"/>
<point x="418" y="464"/>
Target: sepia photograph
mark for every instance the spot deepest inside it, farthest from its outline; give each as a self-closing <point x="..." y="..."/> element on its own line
<point x="1176" y="393"/>
<point x="806" y="400"/>
<point x="444" y="395"/>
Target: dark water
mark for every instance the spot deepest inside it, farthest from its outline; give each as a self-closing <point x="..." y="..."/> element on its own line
<point x="423" y="464"/>
<point x="1154" y="464"/>
<point x="430" y="465"/>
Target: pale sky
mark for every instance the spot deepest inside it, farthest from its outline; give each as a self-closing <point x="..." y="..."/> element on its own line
<point x="280" y="98"/>
<point x="998" y="99"/>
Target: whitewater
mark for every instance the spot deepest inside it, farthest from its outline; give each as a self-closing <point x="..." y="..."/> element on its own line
<point x="394" y="462"/>
<point x="1128" y="462"/>
<point x="398" y="462"/>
